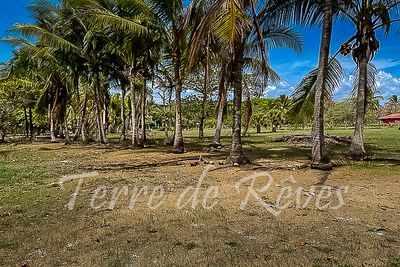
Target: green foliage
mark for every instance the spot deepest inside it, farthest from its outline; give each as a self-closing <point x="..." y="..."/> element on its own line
<point x="304" y="94"/>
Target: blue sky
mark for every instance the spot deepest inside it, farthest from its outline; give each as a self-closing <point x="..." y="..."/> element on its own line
<point x="289" y="65"/>
<point x="293" y="67"/>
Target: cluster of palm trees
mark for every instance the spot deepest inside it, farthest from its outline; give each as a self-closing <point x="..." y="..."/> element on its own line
<point x="77" y="53"/>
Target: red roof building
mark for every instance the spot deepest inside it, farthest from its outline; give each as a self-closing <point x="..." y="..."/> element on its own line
<point x="393" y="118"/>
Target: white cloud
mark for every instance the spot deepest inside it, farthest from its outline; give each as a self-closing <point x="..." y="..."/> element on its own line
<point x="280" y="88"/>
<point x="385" y="77"/>
<point x="384" y="63"/>
<point x="388" y="85"/>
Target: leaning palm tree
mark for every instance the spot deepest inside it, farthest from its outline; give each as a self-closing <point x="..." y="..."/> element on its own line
<point x="368" y="16"/>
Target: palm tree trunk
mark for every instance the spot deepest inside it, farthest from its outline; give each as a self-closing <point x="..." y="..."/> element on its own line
<point x="30" y="123"/>
<point x="67" y="137"/>
<point x="76" y="86"/>
<point x="26" y="123"/>
<point x="82" y="126"/>
<point x="203" y="108"/>
<point x="106" y="111"/>
<point x="357" y="150"/>
<point x="52" y="126"/>
<point x="99" y="109"/>
<point x="134" y="122"/>
<point x="205" y="92"/>
<point x="178" y="135"/>
<point x="80" y="132"/>
<point x="2" y="132"/>
<point x="319" y="157"/>
<point x="237" y="156"/>
<point x="143" y="117"/>
<point x="223" y="88"/>
<point x="123" y="115"/>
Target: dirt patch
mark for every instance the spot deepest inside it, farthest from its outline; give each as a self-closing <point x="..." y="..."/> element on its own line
<point x="43" y="232"/>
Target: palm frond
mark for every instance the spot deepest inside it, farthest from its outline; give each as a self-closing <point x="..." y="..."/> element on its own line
<point x="46" y="37"/>
<point x="304" y="94"/>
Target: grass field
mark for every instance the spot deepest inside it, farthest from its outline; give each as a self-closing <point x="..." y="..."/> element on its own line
<point x="37" y="227"/>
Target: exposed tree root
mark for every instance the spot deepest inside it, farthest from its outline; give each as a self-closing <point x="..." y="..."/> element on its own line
<point x="307" y="139"/>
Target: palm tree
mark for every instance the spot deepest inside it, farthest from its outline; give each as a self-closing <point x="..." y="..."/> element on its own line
<point x="171" y="15"/>
<point x="236" y="23"/>
<point x="49" y="57"/>
<point x="132" y="27"/>
<point x="144" y="21"/>
<point x="22" y="85"/>
<point x="368" y="16"/>
<point x="224" y="81"/>
<point x="393" y="104"/>
<point x="318" y="154"/>
<point x="278" y="114"/>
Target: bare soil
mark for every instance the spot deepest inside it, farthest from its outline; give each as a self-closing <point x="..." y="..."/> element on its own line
<point x="42" y="231"/>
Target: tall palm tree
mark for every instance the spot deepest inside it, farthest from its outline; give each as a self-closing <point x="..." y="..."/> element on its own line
<point x="318" y="154"/>
<point x="368" y="16"/>
<point x="172" y="16"/>
<point x="224" y="81"/>
<point x="237" y="23"/>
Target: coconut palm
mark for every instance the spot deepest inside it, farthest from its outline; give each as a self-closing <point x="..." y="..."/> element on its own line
<point x="48" y="57"/>
<point x="224" y="81"/>
<point x="171" y="16"/>
<point x="393" y="104"/>
<point x="368" y="16"/>
<point x="318" y="154"/>
<point x="64" y="40"/>
<point x="237" y="23"/>
<point x="326" y="9"/>
<point x="142" y="20"/>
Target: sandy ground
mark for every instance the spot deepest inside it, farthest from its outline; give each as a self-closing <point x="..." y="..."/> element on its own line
<point x="296" y="220"/>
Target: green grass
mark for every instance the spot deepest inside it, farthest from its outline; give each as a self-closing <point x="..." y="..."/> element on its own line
<point x="11" y="174"/>
<point x="395" y="262"/>
<point x="6" y="245"/>
<point x="26" y="170"/>
<point x="28" y="194"/>
<point x="381" y="142"/>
